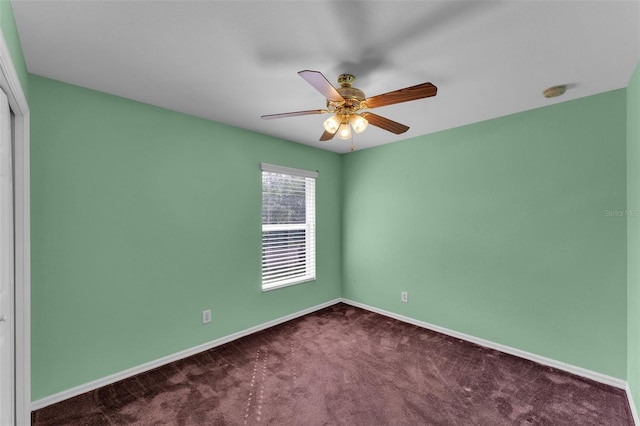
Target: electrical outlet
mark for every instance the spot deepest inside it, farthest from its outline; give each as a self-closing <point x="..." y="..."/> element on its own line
<point x="404" y="296"/>
<point x="206" y="316"/>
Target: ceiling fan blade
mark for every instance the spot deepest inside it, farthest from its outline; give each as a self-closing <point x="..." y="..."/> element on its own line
<point x="385" y="123"/>
<point x="294" y="114"/>
<point x="412" y="93"/>
<point x="321" y="84"/>
<point x="327" y="136"/>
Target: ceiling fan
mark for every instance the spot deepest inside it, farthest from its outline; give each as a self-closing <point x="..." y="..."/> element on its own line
<point x="348" y="105"/>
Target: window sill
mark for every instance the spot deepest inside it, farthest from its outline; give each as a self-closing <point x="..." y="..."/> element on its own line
<point x="275" y="286"/>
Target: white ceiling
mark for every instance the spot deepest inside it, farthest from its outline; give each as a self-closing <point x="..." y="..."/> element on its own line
<point x="233" y="61"/>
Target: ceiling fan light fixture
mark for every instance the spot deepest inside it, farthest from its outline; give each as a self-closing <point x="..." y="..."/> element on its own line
<point x="332" y="124"/>
<point x="359" y="123"/>
<point x="344" y="132"/>
<point x="346" y="104"/>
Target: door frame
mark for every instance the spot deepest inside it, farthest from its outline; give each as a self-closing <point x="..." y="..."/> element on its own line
<point x="10" y="83"/>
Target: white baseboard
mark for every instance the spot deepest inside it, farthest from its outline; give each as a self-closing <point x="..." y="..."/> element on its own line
<point x="578" y="371"/>
<point x="78" y="390"/>
<point x="632" y="405"/>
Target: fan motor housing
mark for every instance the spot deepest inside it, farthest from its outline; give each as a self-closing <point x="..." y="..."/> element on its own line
<point x="345" y="89"/>
<point x="353" y="97"/>
<point x="351" y="93"/>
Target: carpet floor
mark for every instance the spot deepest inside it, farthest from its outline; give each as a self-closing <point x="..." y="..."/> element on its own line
<point x="347" y="366"/>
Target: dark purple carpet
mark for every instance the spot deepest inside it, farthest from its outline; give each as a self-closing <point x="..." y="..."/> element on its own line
<point x="347" y="366"/>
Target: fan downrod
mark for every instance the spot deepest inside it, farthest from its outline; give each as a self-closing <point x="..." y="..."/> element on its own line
<point x="346" y="80"/>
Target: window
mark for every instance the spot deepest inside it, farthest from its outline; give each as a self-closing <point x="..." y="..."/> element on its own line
<point x="288" y="226"/>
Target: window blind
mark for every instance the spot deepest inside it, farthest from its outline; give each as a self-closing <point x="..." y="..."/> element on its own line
<point x="288" y="226"/>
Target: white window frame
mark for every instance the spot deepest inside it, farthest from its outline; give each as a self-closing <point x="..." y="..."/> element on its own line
<point x="309" y="227"/>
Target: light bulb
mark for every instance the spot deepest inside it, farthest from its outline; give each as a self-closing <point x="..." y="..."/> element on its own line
<point x="359" y="123"/>
<point x="344" y="132"/>
<point x="332" y="124"/>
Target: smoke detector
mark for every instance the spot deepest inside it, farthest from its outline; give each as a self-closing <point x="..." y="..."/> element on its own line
<point x="555" y="91"/>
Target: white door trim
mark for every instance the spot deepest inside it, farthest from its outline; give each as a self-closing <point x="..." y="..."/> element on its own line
<point x="7" y="275"/>
<point x="10" y="83"/>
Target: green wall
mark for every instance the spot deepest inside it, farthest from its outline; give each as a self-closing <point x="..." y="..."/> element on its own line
<point x="500" y="230"/>
<point x="140" y="219"/>
<point x="11" y="37"/>
<point x="633" y="235"/>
